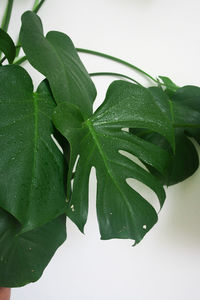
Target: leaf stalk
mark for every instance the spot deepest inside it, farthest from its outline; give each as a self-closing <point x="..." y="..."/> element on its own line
<point x="7" y="15"/>
<point x="123" y="62"/>
<point x="114" y="74"/>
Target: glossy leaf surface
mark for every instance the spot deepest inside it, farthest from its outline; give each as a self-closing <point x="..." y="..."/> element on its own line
<point x="122" y="212"/>
<point x="56" y="58"/>
<point x="23" y="257"/>
<point x="32" y="168"/>
<point x="7" y="46"/>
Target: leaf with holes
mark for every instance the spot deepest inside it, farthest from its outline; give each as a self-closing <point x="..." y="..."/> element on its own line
<point x="32" y="178"/>
<point x="122" y="212"/>
<point x="56" y="58"/>
<point x="24" y="256"/>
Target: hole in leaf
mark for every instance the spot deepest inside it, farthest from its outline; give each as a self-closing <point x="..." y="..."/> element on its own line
<point x="57" y="144"/>
<point x="125" y="129"/>
<point x="144" y="227"/>
<point x="92" y="226"/>
<point x="142" y="189"/>
<point x="74" y="171"/>
<point x="133" y="158"/>
<point x="75" y="164"/>
<point x="147" y="193"/>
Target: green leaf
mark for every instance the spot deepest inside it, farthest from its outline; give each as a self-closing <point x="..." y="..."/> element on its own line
<point x="23" y="257"/>
<point x="170" y="85"/>
<point x="182" y="164"/>
<point x="7" y="46"/>
<point x="32" y="168"/>
<point x="185" y="107"/>
<point x="56" y="58"/>
<point x="122" y="212"/>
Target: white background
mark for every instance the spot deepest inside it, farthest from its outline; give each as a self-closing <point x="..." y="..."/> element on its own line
<point x="162" y="37"/>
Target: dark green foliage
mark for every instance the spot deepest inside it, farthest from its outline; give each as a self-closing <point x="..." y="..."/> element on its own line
<point x="56" y="58"/>
<point x="7" y="46"/>
<point x="39" y="183"/>
<point x="30" y="191"/>
<point x="32" y="179"/>
<point x="23" y="256"/>
<point x="122" y="212"/>
<point x="185" y="111"/>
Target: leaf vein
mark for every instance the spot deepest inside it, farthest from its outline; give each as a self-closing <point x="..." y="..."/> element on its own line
<point x="105" y="160"/>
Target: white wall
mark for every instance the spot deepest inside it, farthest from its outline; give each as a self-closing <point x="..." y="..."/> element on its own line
<point x="162" y="37"/>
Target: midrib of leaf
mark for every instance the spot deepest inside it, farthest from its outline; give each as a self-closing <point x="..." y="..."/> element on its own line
<point x="35" y="142"/>
<point x="105" y="160"/>
<point x="36" y="110"/>
<point x="171" y="110"/>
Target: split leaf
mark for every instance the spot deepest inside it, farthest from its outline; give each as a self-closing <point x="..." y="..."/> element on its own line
<point x="121" y="211"/>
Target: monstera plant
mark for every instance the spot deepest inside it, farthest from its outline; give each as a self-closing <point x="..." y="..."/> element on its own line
<point x="50" y="138"/>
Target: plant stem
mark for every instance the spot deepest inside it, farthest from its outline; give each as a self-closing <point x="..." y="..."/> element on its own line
<point x="37" y="6"/>
<point x="36" y="2"/>
<point x="7" y="15"/>
<point x="113" y="74"/>
<point x="123" y="62"/>
<point x="2" y="60"/>
<point x="20" y="60"/>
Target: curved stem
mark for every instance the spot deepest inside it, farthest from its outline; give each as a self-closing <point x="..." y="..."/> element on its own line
<point x="123" y="62"/>
<point x="7" y="15"/>
<point x="113" y="74"/>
